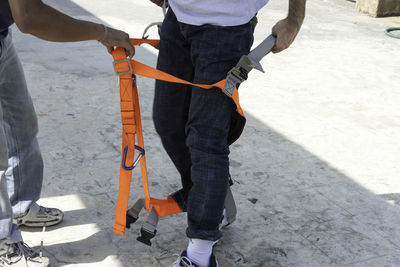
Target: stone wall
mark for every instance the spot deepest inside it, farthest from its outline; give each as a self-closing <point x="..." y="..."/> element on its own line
<point x="379" y="8"/>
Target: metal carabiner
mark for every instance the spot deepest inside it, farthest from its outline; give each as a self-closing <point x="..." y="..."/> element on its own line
<point x="135" y="163"/>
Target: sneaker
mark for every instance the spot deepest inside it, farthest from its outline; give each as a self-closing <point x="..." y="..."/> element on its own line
<point x="39" y="216"/>
<point x="184" y="261"/>
<point x="21" y="255"/>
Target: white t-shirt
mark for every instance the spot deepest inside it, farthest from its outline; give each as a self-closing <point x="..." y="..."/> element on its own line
<point x="216" y="12"/>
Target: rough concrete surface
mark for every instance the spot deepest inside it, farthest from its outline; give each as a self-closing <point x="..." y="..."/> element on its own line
<point x="316" y="171"/>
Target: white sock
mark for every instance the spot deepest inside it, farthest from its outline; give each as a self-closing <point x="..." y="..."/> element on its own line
<point x="199" y="251"/>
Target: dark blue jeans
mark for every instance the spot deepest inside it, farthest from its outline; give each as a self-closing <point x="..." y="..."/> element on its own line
<point x="194" y="123"/>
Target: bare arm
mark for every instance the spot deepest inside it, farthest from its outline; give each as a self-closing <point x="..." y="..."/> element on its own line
<point x="286" y="30"/>
<point x="36" y="18"/>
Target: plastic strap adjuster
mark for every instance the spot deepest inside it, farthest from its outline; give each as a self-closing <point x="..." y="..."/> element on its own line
<point x="122" y="61"/>
<point x="146" y="236"/>
<point x="132" y="215"/>
<point x="235" y="77"/>
<point x="149" y="229"/>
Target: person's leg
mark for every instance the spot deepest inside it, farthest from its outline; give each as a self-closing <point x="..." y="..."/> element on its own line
<point x="25" y="165"/>
<point x="24" y="175"/>
<point x="9" y="232"/>
<point x="171" y="100"/>
<point x="21" y="165"/>
<point x="214" y="51"/>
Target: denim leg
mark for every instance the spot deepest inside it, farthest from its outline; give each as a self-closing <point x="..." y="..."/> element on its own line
<point x="214" y="51"/>
<point x="24" y="174"/>
<point x="6" y="225"/>
<point x="9" y="232"/>
<point x="194" y="123"/>
<point x="171" y="100"/>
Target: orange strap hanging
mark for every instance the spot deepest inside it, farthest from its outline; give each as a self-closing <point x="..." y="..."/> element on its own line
<point x="132" y="131"/>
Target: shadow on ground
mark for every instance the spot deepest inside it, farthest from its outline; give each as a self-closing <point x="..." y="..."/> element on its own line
<point x="294" y="208"/>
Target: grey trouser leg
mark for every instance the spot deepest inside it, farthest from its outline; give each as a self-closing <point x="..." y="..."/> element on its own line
<point x="21" y="160"/>
<point x="6" y="226"/>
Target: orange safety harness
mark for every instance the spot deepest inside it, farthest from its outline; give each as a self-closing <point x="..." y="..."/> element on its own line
<point x="132" y="136"/>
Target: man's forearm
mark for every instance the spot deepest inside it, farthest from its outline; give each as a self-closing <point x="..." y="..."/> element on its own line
<point x="286" y="29"/>
<point x="297" y="10"/>
<point x="43" y="21"/>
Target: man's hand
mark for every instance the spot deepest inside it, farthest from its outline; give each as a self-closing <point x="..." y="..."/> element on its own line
<point x="286" y="30"/>
<point x="285" y="33"/>
<point x="160" y="2"/>
<point x="113" y="38"/>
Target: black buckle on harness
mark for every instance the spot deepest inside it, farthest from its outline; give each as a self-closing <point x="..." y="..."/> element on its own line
<point x="146" y="235"/>
<point x="135" y="163"/>
<point x="235" y="77"/>
<point x="129" y="220"/>
<point x="132" y="214"/>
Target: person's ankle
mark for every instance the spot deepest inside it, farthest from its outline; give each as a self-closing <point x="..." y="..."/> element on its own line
<point x="199" y="251"/>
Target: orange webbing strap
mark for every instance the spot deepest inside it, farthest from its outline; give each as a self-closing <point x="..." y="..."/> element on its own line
<point x="147" y="71"/>
<point x="131" y="127"/>
<point x="151" y="42"/>
<point x="165" y="207"/>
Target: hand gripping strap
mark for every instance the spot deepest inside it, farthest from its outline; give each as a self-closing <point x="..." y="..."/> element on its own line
<point x="131" y="121"/>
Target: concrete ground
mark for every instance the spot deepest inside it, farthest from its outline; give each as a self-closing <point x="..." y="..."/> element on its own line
<point x="316" y="170"/>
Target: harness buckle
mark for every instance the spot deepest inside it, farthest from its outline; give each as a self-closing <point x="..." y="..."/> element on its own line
<point x="129" y="220"/>
<point x="149" y="229"/>
<point x="127" y="60"/>
<point x="146" y="235"/>
<point x="136" y="162"/>
<point x="132" y="215"/>
<point x="235" y="77"/>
